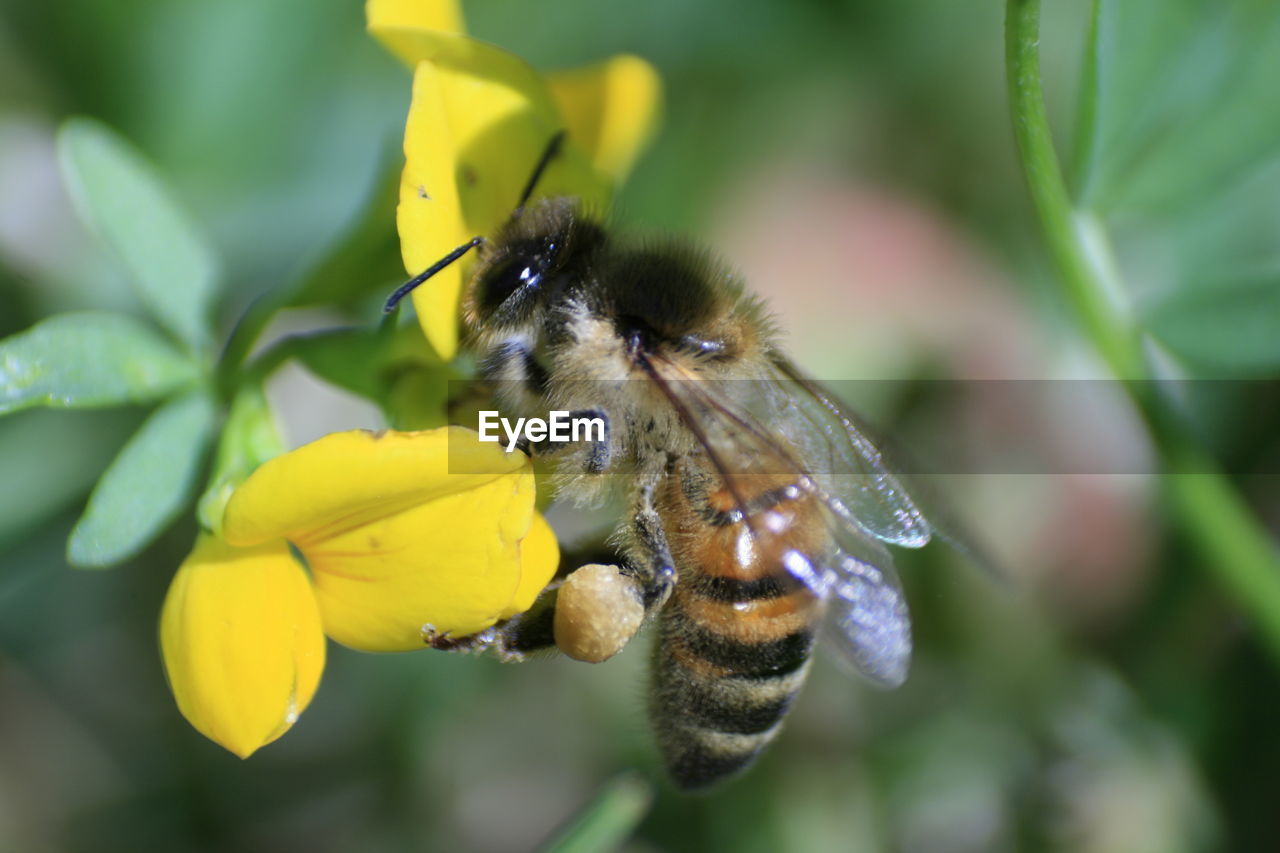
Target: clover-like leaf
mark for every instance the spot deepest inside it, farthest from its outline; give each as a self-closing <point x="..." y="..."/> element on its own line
<point x="1178" y="98"/>
<point x="127" y="203"/>
<point x="146" y="485"/>
<point x="50" y="460"/>
<point x="1177" y="154"/>
<point x="87" y="360"/>
<point x="352" y="359"/>
<point x="1233" y="325"/>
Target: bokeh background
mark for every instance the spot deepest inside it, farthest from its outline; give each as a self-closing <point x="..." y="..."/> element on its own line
<point x="854" y="159"/>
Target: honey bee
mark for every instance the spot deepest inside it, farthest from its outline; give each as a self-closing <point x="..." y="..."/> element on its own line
<point x="758" y="510"/>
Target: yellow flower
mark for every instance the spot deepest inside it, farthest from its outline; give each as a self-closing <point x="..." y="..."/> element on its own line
<point x="241" y="640"/>
<point x="399" y="531"/>
<point x="371" y="538"/>
<point x="479" y="119"/>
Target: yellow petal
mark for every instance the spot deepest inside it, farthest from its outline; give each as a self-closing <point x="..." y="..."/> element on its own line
<point x="479" y="119"/>
<point x="539" y="558"/>
<point x="452" y="563"/>
<point x="429" y="216"/>
<point x="242" y="643"/>
<point x="440" y="15"/>
<point x="349" y="479"/>
<point x="610" y="109"/>
<point x="471" y="143"/>
<point x="433" y="31"/>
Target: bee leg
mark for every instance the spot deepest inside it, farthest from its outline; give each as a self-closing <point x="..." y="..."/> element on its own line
<point x="595" y="610"/>
<point x="649" y="544"/>
<point x="599" y="607"/>
<point x="589" y="616"/>
<point x="533" y="631"/>
<point x="599" y="456"/>
<point x="511" y="363"/>
<point x="511" y="641"/>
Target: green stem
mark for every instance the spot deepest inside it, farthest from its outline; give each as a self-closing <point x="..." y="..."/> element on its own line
<point x="1236" y="549"/>
<point x="1218" y="520"/>
<point x="244" y="336"/>
<point x="265" y="363"/>
<point x="608" y="820"/>
<point x="1065" y="236"/>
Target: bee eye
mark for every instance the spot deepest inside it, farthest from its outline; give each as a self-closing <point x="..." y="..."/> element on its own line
<point x="519" y="271"/>
<point x="507" y="277"/>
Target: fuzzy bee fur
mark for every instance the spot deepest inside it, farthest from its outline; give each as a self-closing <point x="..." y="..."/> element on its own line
<point x="758" y="510"/>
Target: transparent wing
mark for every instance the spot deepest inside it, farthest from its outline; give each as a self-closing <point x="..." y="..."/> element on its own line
<point x="866" y="627"/>
<point x="823" y="438"/>
<point x="893" y="507"/>
<point x="866" y="623"/>
<point x="847" y="464"/>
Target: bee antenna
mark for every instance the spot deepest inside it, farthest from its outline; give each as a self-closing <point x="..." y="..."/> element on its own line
<point x="405" y="289"/>
<point x="553" y="147"/>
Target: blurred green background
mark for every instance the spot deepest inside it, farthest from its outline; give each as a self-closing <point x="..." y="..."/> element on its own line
<point x="855" y="159"/>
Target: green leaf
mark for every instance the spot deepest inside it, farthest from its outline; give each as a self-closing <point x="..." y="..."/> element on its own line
<point x="127" y="203"/>
<point x="249" y="438"/>
<point x="50" y="461"/>
<point x="1084" y="146"/>
<point x="1238" y="550"/>
<point x="1230" y="325"/>
<point x="146" y="485"/>
<point x="1177" y="155"/>
<point x="353" y="359"/>
<point x="1232" y="233"/>
<point x="1178" y="97"/>
<point x="87" y="360"/>
<point x="607" y="821"/>
<point x="393" y="367"/>
<point x="359" y="271"/>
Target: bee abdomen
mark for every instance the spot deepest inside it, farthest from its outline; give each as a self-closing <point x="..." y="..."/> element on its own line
<point x="697" y="759"/>
<point x="717" y="700"/>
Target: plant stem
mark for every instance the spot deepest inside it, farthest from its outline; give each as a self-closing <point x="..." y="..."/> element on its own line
<point x="1236" y="550"/>
<point x="608" y="820"/>
<point x="1049" y="194"/>
<point x="244" y="336"/>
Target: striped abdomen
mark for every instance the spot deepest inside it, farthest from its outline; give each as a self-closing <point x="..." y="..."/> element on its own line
<point x="736" y="635"/>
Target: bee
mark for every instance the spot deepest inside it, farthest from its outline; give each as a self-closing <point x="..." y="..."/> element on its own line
<point x="758" y="511"/>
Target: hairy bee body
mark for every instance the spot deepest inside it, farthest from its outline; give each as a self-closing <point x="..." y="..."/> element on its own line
<point x="736" y="636"/>
<point x="729" y="542"/>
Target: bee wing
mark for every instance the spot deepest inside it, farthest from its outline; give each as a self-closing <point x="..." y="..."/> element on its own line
<point x="866" y="623"/>
<point x="866" y="626"/>
<point x="846" y="463"/>
<point x="892" y="507"/>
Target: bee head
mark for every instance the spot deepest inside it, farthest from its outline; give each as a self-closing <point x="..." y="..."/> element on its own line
<point x="526" y="265"/>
